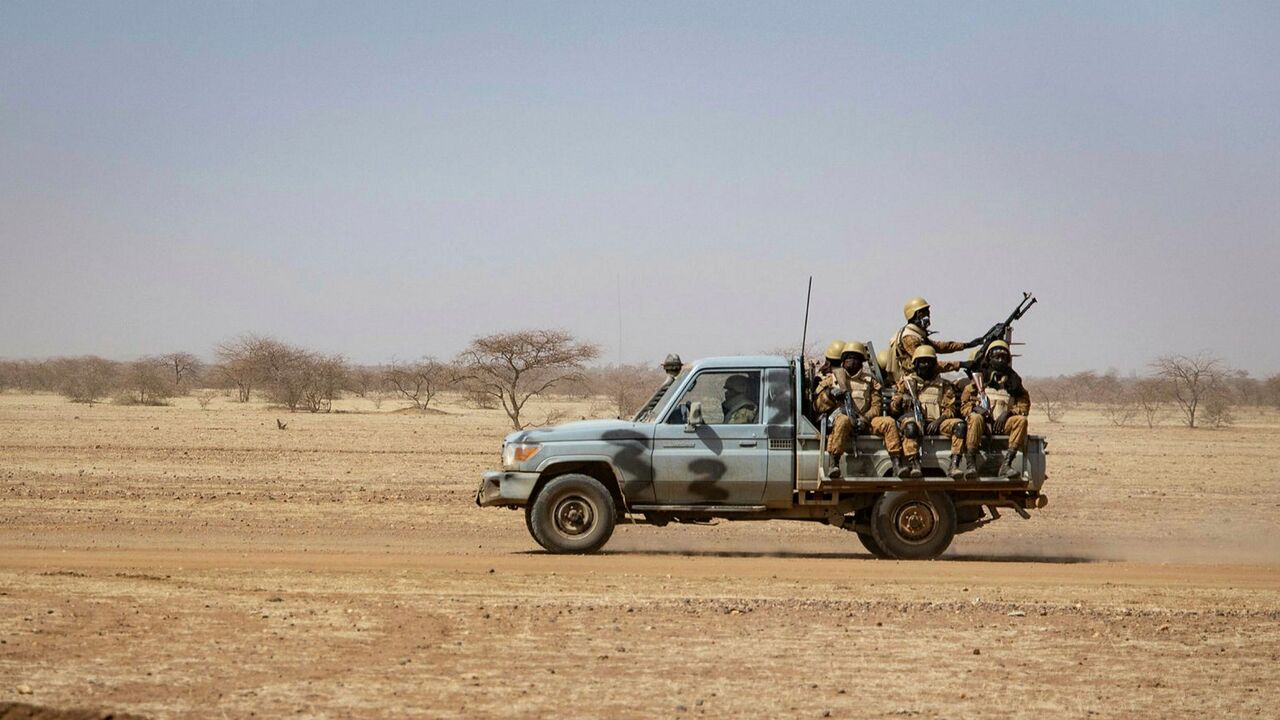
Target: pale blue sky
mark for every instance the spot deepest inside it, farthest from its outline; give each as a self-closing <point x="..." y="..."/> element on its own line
<point x="389" y="180"/>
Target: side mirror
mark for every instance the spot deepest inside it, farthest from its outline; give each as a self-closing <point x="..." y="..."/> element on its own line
<point x="695" y="417"/>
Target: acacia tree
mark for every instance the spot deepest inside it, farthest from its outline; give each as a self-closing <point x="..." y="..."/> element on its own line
<point x="235" y="357"/>
<point x="418" y="382"/>
<point x="1195" y="381"/>
<point x="145" y="381"/>
<point x="512" y="367"/>
<point x="183" y="367"/>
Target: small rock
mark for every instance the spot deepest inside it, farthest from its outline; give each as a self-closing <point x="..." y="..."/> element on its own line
<point x="491" y="571"/>
<point x="1017" y="613"/>
<point x="976" y="651"/>
<point x="24" y="690"/>
<point x="1163" y="628"/>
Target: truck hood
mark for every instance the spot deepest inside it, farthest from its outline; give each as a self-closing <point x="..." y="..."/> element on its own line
<point x="583" y="430"/>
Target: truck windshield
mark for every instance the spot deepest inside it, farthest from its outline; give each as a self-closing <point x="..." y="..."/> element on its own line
<point x="646" y="413"/>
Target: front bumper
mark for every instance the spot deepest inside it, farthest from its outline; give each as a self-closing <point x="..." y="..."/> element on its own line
<point x="505" y="488"/>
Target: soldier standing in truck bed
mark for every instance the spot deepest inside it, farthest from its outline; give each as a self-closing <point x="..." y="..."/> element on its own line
<point x="938" y="406"/>
<point x="1007" y="407"/>
<point x="915" y="334"/>
<point x="864" y="395"/>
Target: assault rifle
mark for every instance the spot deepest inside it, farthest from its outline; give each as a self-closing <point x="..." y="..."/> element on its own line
<point x="877" y="374"/>
<point x="915" y="409"/>
<point x="1002" y="329"/>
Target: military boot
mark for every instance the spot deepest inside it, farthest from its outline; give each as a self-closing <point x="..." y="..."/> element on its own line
<point x="913" y="467"/>
<point x="900" y="468"/>
<point x="953" y="470"/>
<point x="834" y="473"/>
<point x="971" y="463"/>
<point x="1007" y="469"/>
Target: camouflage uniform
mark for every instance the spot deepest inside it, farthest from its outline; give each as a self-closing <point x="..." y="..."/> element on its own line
<point x="937" y="403"/>
<point x="912" y="336"/>
<point x="1005" y="393"/>
<point x="864" y="396"/>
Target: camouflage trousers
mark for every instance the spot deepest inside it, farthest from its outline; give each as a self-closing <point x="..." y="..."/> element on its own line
<point x="842" y="433"/>
<point x="1014" y="425"/>
<point x="911" y="446"/>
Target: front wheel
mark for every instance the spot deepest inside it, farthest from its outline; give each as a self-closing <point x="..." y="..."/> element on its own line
<point x="572" y="514"/>
<point x="913" y="525"/>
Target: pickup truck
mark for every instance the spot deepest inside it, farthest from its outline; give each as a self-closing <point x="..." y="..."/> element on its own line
<point x="679" y="461"/>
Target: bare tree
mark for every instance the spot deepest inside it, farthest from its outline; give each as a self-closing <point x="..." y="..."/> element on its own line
<point x="184" y="369"/>
<point x="145" y="381"/>
<point x="84" y="379"/>
<point x="1192" y="381"/>
<point x="1121" y="408"/>
<point x="1051" y="399"/>
<point x="515" y="366"/>
<point x="418" y="382"/>
<point x="1151" y="395"/>
<point x="627" y="386"/>
<point x="324" y="376"/>
<point x="236" y="365"/>
<point x="1271" y="390"/>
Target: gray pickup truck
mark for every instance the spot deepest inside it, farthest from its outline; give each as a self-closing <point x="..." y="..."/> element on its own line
<point x="678" y="460"/>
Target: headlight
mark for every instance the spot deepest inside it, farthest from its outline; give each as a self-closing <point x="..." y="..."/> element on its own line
<point x="514" y="454"/>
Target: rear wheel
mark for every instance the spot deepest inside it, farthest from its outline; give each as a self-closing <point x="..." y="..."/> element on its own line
<point x="572" y="514"/>
<point x="913" y="525"/>
<point x="871" y="545"/>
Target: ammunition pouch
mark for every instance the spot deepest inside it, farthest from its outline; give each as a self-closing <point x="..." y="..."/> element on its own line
<point x="960" y="429"/>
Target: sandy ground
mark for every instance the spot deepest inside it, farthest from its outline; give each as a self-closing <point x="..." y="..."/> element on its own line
<point x="178" y="562"/>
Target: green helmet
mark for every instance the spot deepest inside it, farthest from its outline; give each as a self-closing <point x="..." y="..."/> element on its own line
<point x="913" y="306"/>
<point x="835" y="350"/>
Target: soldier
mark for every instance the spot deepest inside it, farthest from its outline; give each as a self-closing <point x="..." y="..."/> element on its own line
<point x="937" y="399"/>
<point x="916" y="334"/>
<point x="864" y="395"/>
<point x="1005" y="411"/>
<point x="739" y="404"/>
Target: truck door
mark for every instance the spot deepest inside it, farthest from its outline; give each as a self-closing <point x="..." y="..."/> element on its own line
<point x="724" y="460"/>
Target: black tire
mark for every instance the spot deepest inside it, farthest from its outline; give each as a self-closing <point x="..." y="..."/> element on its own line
<point x="872" y="546"/>
<point x="528" y="521"/>
<point x="572" y="514"/>
<point x="913" y="525"/>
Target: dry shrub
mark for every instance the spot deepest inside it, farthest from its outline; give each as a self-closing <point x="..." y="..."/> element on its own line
<point x="145" y="381"/>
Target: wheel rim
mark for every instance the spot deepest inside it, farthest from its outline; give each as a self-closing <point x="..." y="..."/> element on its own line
<point x="574" y="516"/>
<point x="915" y="522"/>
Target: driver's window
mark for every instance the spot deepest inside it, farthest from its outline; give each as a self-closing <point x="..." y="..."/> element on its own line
<point x="728" y="398"/>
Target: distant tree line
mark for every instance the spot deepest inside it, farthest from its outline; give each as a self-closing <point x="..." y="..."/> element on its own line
<point x="1196" y="390"/>
<point x="500" y="370"/>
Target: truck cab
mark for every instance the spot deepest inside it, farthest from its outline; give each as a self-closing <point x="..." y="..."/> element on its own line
<point x="734" y="438"/>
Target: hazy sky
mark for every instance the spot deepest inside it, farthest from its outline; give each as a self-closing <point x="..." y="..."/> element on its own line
<point x="389" y="180"/>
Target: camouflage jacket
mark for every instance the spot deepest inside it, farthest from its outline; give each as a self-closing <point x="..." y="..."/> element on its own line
<point x="911" y="337"/>
<point x="937" y="397"/>
<point x="1007" y="391"/>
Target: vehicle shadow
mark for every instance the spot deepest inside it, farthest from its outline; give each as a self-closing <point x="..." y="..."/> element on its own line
<point x="959" y="557"/>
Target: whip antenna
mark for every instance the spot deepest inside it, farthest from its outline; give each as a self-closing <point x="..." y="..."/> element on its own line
<point x="804" y="335"/>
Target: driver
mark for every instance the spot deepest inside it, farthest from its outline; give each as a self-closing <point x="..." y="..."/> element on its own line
<point x="739" y="404"/>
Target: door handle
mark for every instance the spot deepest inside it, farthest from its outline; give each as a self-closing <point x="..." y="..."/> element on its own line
<point x="747" y="443"/>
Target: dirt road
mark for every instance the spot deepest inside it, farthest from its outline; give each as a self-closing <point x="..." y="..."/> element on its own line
<point x="179" y="563"/>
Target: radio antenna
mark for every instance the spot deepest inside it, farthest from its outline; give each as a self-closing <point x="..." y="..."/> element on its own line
<point x="804" y="335"/>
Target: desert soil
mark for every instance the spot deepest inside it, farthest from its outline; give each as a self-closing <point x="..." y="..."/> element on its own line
<point x="179" y="562"/>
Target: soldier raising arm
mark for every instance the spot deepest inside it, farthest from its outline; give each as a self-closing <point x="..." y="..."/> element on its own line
<point x="916" y="334"/>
